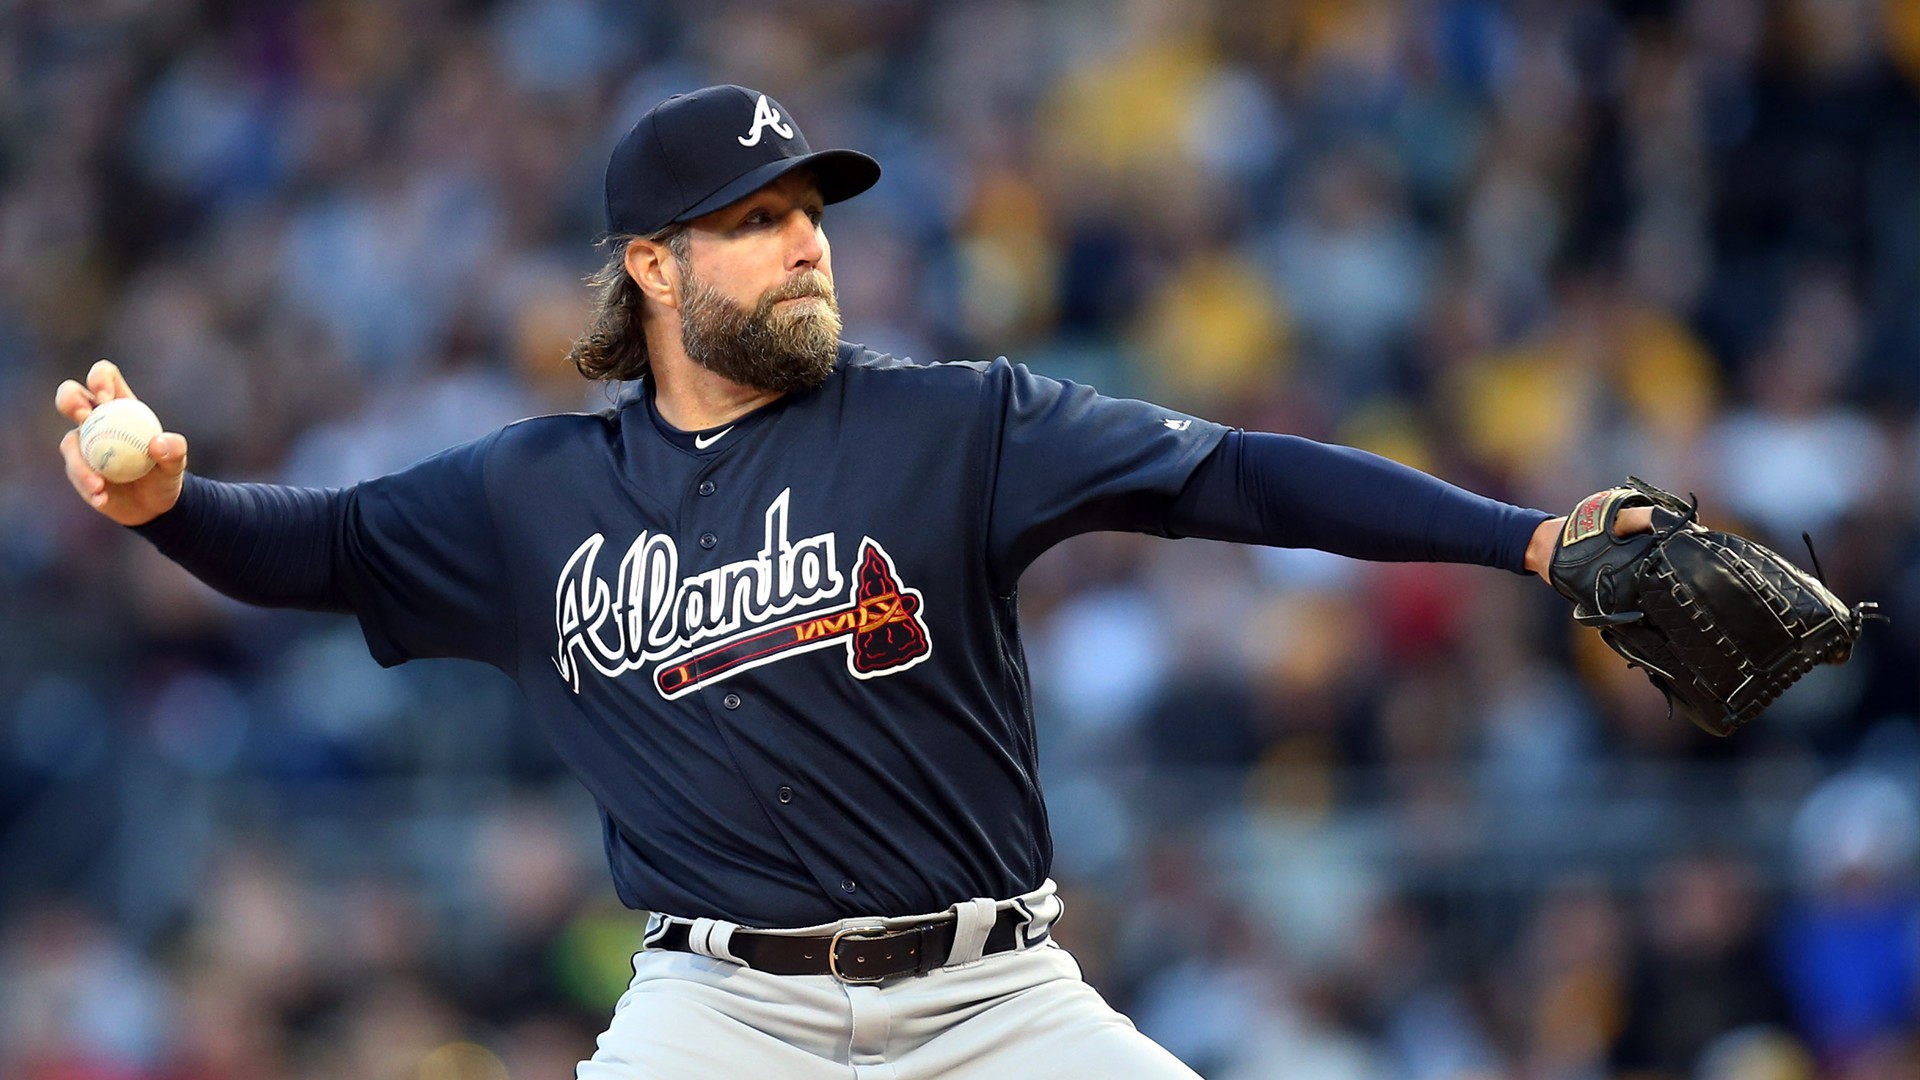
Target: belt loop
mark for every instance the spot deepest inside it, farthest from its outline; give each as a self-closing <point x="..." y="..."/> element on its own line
<point x="1040" y="909"/>
<point x="657" y="925"/>
<point x="712" y="937"/>
<point x="973" y="921"/>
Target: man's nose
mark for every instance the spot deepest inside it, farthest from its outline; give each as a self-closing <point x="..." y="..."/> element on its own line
<point x="805" y="246"/>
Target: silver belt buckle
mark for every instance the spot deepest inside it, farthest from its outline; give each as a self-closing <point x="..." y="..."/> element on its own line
<point x="855" y="933"/>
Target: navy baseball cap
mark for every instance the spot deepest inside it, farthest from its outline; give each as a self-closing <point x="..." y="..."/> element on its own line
<point x="695" y="153"/>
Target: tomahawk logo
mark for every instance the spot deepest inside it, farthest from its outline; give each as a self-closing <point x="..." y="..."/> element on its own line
<point x="788" y="599"/>
<point x="765" y="116"/>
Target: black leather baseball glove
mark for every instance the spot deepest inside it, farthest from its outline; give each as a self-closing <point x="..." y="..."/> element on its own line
<point x="1722" y="625"/>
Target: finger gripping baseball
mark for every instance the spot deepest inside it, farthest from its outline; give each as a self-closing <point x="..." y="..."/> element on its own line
<point x="114" y="439"/>
<point x="1721" y="625"/>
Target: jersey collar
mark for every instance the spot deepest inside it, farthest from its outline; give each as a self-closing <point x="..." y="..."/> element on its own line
<point x="708" y="441"/>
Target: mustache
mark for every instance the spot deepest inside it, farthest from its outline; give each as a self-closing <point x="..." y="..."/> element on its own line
<point x="806" y="284"/>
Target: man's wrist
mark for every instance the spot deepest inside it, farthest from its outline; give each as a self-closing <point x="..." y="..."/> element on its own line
<point x="1540" y="547"/>
<point x="179" y="514"/>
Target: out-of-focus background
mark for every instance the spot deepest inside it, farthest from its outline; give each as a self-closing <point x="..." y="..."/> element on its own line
<point x="1316" y="819"/>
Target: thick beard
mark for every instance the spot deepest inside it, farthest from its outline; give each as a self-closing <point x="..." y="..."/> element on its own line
<point x="784" y="350"/>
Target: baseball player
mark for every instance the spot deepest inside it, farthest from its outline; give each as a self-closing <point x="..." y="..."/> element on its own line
<point x="766" y="610"/>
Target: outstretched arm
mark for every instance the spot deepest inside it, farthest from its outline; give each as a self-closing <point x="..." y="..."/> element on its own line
<point x="413" y="555"/>
<point x="1286" y="491"/>
<point x="258" y="543"/>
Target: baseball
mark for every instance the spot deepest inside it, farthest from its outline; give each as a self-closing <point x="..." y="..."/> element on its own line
<point x="114" y="439"/>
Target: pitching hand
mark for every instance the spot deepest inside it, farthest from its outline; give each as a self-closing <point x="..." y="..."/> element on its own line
<point x="136" y="502"/>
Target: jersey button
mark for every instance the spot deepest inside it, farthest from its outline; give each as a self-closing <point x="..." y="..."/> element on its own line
<point x="848" y="885"/>
<point x="706" y="487"/>
<point x="707" y="540"/>
<point x="731" y="701"/>
<point x="785" y="794"/>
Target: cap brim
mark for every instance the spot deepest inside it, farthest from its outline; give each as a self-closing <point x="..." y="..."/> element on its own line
<point x="841" y="174"/>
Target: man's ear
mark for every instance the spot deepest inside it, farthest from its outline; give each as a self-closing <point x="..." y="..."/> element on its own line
<point x="652" y="266"/>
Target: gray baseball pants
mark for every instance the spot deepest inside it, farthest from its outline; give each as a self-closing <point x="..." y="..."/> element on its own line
<point x="1023" y="1013"/>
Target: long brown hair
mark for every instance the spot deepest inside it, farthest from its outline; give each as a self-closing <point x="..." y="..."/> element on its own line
<point x="614" y="345"/>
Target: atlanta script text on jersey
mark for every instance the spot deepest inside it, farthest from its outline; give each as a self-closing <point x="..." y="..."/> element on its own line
<point x="735" y="617"/>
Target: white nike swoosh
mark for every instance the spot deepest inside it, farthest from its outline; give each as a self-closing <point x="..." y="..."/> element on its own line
<point x="701" y="442"/>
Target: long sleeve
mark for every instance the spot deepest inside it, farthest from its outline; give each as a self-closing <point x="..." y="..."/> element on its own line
<point x="258" y="543"/>
<point x="413" y="555"/>
<point x="1286" y="491"/>
<point x="1068" y="460"/>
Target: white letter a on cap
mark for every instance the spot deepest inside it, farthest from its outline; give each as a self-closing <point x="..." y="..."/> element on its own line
<point x="765" y="116"/>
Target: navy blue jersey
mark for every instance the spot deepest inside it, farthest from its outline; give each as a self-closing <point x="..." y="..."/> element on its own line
<point x="784" y="657"/>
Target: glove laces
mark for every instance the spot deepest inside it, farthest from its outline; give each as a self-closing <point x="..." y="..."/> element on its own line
<point x="1860" y="613"/>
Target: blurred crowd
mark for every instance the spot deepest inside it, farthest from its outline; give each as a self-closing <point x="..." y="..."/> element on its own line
<point x="1316" y="819"/>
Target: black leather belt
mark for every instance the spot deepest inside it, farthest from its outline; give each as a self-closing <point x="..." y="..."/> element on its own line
<point x="858" y="954"/>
